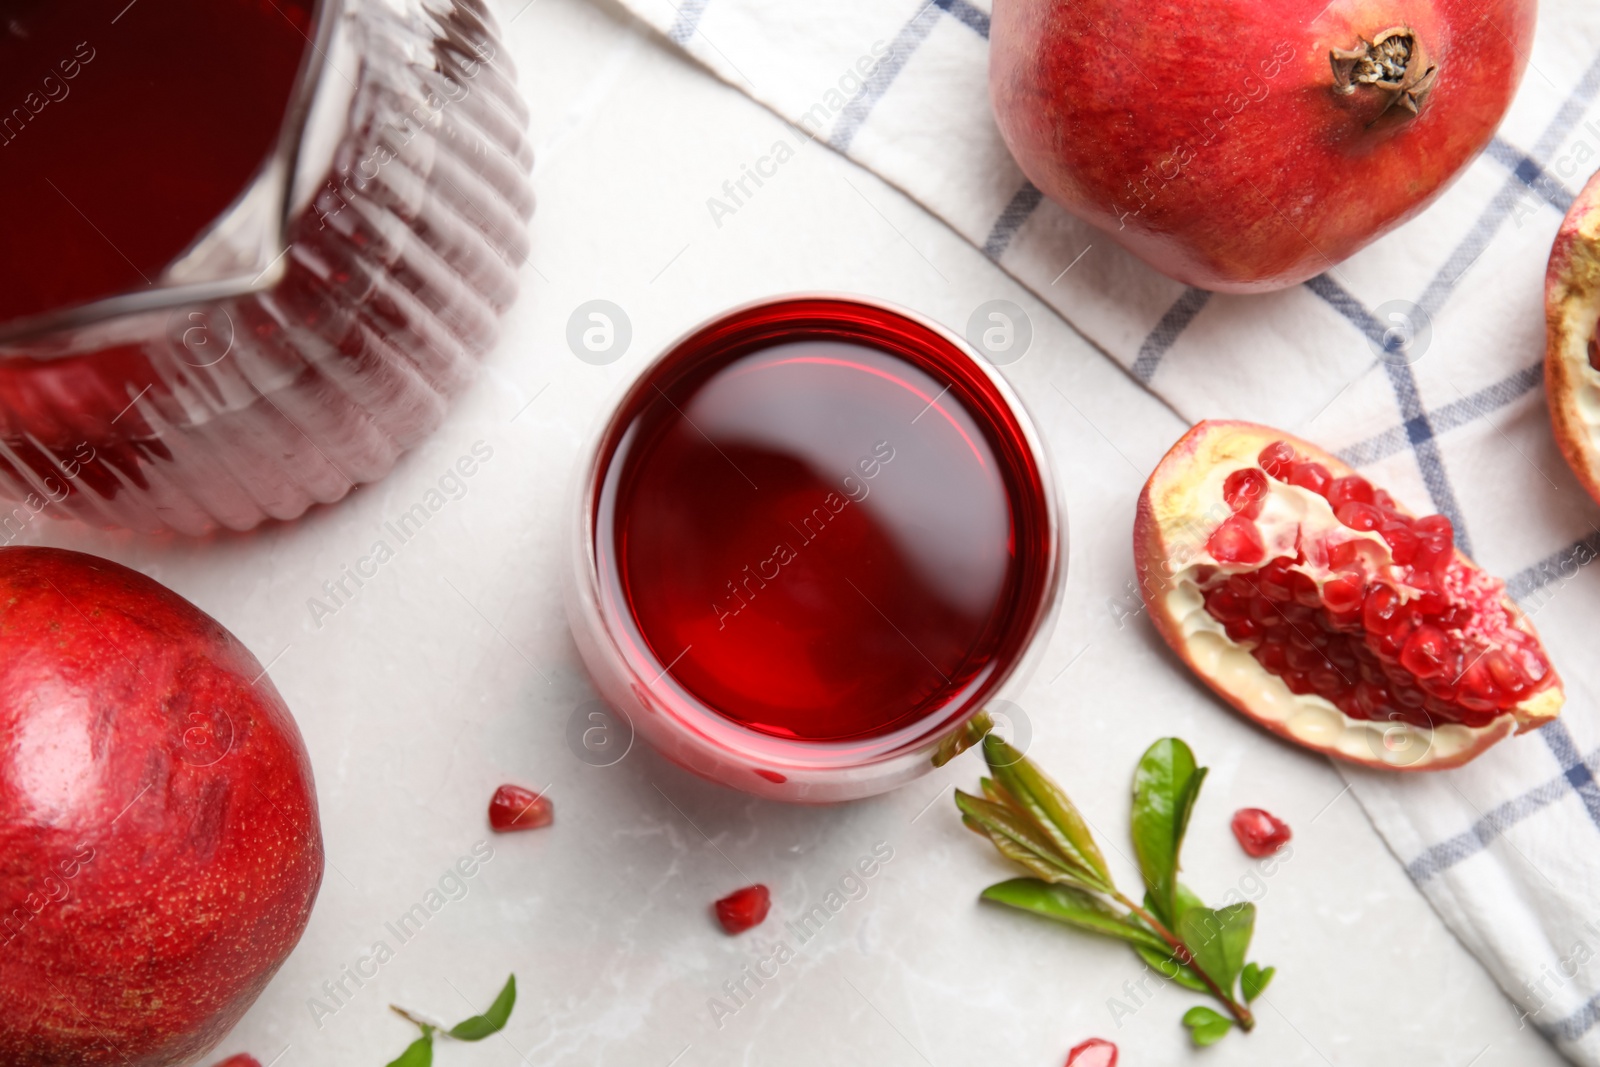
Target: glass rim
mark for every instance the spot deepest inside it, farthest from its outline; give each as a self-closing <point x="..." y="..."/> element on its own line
<point x="276" y="174"/>
<point x="687" y="711"/>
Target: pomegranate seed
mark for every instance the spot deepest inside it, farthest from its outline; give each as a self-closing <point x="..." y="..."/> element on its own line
<point x="1505" y="673"/>
<point x="1298" y="682"/>
<point x="1344" y="593"/>
<point x="1380" y="612"/>
<point x="1425" y="652"/>
<point x="1225" y="605"/>
<point x="1301" y="656"/>
<point x="1360" y="516"/>
<point x="1304" y="590"/>
<point x="1435" y="526"/>
<point x="1277" y="459"/>
<point x="1402" y="542"/>
<point x="1245" y="490"/>
<point x="1312" y="476"/>
<point x="1094" y="1052"/>
<point x="1260" y="833"/>
<point x="1243" y="630"/>
<point x="744" y="908"/>
<point x="1351" y="489"/>
<point x="1272" y="581"/>
<point x="516" y="808"/>
<point x="1382" y="498"/>
<point x="1273" y="657"/>
<point x="1236" y="541"/>
<point x="241" y="1060"/>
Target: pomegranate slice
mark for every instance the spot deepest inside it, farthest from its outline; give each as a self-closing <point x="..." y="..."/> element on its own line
<point x="1260" y="833"/>
<point x="1572" y="355"/>
<point x="1326" y="612"/>
<point x="1095" y="1052"/>
<point x="516" y="808"/>
<point x="744" y="908"/>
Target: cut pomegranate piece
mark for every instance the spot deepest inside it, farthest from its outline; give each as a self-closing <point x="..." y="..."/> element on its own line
<point x="516" y="808"/>
<point x="1095" y="1052"/>
<point x="744" y="908"/>
<point x="1572" y="353"/>
<point x="1332" y="617"/>
<point x="1260" y="833"/>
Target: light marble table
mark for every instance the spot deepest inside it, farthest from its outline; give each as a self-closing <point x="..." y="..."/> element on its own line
<point x="453" y="671"/>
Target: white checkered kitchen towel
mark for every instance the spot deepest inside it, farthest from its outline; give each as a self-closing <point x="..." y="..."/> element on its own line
<point x="1507" y="849"/>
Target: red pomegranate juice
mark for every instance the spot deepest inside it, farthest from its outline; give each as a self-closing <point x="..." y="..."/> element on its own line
<point x="823" y="521"/>
<point x="125" y="129"/>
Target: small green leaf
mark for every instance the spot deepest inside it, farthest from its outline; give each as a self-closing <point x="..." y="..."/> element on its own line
<point x="1218" y="940"/>
<point x="1254" y="980"/>
<point x="1001" y="821"/>
<point x="492" y="1021"/>
<point x="1048" y="805"/>
<point x="419" y="1053"/>
<point x="1171" y="969"/>
<point x="1072" y="906"/>
<point x="975" y="729"/>
<point x="1165" y="788"/>
<point x="1206" y="1027"/>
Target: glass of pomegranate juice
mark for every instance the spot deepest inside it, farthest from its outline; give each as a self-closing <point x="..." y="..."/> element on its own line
<point x="252" y="248"/>
<point x="813" y="539"/>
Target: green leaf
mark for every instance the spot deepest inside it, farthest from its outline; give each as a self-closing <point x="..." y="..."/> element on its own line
<point x="1072" y="906"/>
<point x="1168" y="967"/>
<point x="1165" y="788"/>
<point x="1000" y="821"/>
<point x="1206" y="1027"/>
<point x="1048" y="806"/>
<point x="492" y="1021"/>
<point x="975" y="729"/>
<point x="419" y="1053"/>
<point x="1254" y="980"/>
<point x="1218" y="939"/>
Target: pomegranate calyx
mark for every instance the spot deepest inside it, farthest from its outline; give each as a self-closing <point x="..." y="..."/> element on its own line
<point x="1394" y="62"/>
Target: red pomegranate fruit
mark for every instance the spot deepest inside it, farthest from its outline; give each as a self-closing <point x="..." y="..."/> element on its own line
<point x="744" y="908"/>
<point x="1315" y="604"/>
<point x="1572" y="353"/>
<point x="159" y="843"/>
<point x="1249" y="161"/>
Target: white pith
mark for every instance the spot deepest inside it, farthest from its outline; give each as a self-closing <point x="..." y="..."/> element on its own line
<point x="1189" y="512"/>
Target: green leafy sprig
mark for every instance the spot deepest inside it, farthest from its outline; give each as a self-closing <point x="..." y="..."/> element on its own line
<point x="420" y="1052"/>
<point x="1033" y="823"/>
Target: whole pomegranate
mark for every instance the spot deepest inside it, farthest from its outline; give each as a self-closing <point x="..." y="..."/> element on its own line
<point x="1247" y="145"/>
<point x="159" y="844"/>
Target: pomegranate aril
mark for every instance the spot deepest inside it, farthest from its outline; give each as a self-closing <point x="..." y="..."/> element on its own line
<point x="1299" y="682"/>
<point x="1435" y="526"/>
<point x="1245" y="490"/>
<point x="1236" y="541"/>
<point x="1402" y="542"/>
<point x="1304" y="589"/>
<point x="1273" y="579"/>
<point x="1312" y="476"/>
<point x="1225" y="605"/>
<point x="1382" y="498"/>
<point x="1243" y="630"/>
<point x="1266" y="613"/>
<point x="1425" y="652"/>
<point x="1329" y="682"/>
<point x="1301" y="656"/>
<point x="1344" y="594"/>
<point x="1381" y="609"/>
<point x="516" y="808"/>
<point x="1273" y="656"/>
<point x="1277" y="459"/>
<point x="1351" y="489"/>
<point x="1360" y="516"/>
<point x="1346" y="555"/>
<point x="1260" y="833"/>
<point x="744" y="908"/>
<point x="1095" y="1052"/>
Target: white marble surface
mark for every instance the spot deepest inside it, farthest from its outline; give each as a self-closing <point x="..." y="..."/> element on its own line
<point x="453" y="671"/>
